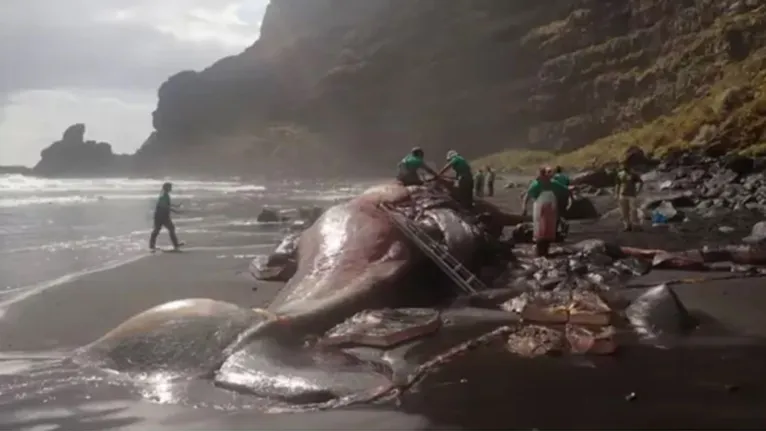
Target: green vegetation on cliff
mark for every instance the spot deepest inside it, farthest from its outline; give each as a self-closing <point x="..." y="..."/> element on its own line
<point x="719" y="72"/>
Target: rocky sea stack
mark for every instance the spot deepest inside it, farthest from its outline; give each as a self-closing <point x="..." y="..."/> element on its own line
<point x="73" y="156"/>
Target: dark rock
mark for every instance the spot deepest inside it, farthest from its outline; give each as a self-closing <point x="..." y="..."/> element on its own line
<point x="635" y="157"/>
<point x="683" y="200"/>
<point x="582" y="208"/>
<point x="269" y="215"/>
<point x="740" y="165"/>
<point x="598" y="178"/>
<point x="723" y="178"/>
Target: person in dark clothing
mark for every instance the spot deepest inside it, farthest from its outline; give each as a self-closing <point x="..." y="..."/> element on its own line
<point x="490" y="179"/>
<point x="478" y="183"/>
<point x="162" y="219"/>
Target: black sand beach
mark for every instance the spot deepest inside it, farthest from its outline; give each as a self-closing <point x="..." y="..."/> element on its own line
<point x="715" y="381"/>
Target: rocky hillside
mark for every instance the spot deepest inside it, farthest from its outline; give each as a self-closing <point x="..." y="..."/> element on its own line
<point x="344" y="85"/>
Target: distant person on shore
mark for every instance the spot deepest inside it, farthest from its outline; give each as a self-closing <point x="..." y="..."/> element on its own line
<point x="162" y="219"/>
<point x="410" y="167"/>
<point x="490" y="181"/>
<point x="561" y="177"/>
<point x="464" y="177"/>
<point x="627" y="188"/>
<point x="478" y="183"/>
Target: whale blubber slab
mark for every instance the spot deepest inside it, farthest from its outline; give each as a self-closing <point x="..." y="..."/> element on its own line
<point x="535" y="340"/>
<point x="587" y="308"/>
<point x="545" y="307"/>
<point x="578" y="307"/>
<point x="588" y="340"/>
<point x="383" y="328"/>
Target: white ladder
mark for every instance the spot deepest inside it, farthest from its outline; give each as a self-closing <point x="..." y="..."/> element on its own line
<point x="462" y="276"/>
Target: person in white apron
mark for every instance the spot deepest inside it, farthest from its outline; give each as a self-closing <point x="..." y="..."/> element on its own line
<point x="543" y="191"/>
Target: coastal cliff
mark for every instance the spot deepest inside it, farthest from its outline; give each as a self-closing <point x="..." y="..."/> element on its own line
<point x="344" y="87"/>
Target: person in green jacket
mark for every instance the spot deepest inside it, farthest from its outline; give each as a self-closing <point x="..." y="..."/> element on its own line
<point x="410" y="166"/>
<point x="544" y="182"/>
<point x="561" y="177"/>
<point x="162" y="219"/>
<point x="464" y="177"/>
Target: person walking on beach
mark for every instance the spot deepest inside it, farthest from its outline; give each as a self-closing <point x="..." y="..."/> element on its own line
<point x="464" y="178"/>
<point x="490" y="181"/>
<point x="410" y="166"/>
<point x="627" y="188"/>
<point x="478" y="183"/>
<point x="162" y="219"/>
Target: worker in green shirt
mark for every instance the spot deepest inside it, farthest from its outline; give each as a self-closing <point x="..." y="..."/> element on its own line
<point x="162" y="219"/>
<point x="560" y="177"/>
<point x="627" y="187"/>
<point x="464" y="177"/>
<point x="544" y="182"/>
<point x="410" y="166"/>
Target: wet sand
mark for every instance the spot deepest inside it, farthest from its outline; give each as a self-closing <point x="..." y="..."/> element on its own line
<point x="713" y="382"/>
<point x="78" y="312"/>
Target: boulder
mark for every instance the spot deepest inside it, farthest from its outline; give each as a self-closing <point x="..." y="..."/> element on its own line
<point x="740" y="165"/>
<point x="757" y="234"/>
<point x="582" y="208"/>
<point x="595" y="178"/>
<point x="269" y="215"/>
<point x="635" y="157"/>
<point x="680" y="200"/>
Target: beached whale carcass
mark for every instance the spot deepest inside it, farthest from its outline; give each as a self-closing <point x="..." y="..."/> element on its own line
<point x="353" y="258"/>
<point x="349" y="326"/>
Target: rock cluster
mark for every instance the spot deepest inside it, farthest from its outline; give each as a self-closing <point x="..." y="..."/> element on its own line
<point x="713" y="185"/>
<point x="73" y="156"/>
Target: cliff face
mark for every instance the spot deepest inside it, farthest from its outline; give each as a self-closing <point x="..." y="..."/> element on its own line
<point x="73" y="156"/>
<point x="352" y="85"/>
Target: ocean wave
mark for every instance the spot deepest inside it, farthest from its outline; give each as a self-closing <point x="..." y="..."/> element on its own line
<point x="21" y="183"/>
<point x="13" y="202"/>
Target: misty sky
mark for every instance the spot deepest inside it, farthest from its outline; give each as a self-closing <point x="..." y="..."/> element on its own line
<point x="100" y="62"/>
